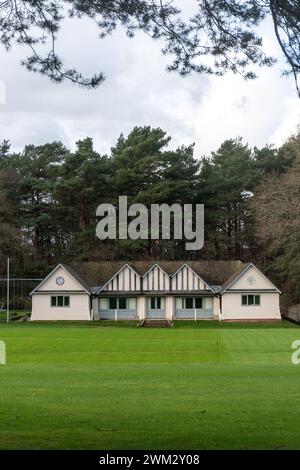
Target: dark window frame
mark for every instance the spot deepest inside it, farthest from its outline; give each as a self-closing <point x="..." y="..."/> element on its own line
<point x="254" y="302"/>
<point x="155" y="303"/>
<point x="117" y="303"/>
<point x="113" y="300"/>
<point x="121" y="305"/>
<point x="189" y="300"/>
<point x="192" y="303"/>
<point x="55" y="301"/>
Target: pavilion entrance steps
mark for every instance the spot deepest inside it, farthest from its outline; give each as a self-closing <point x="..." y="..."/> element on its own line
<point x="159" y="323"/>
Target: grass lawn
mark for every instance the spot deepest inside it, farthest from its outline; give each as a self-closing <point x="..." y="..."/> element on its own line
<point x="100" y="386"/>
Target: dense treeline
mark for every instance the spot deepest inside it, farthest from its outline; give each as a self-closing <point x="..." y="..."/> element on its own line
<point x="49" y="196"/>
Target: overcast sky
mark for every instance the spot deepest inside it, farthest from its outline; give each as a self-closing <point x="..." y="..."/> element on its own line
<point x="139" y="91"/>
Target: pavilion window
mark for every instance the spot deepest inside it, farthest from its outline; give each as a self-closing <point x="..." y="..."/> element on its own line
<point x="156" y="303"/>
<point x="250" y="299"/>
<point x="60" y="301"/>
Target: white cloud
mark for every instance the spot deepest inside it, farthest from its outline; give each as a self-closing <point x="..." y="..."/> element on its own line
<point x="290" y="120"/>
<point x="2" y="92"/>
<point x="139" y="91"/>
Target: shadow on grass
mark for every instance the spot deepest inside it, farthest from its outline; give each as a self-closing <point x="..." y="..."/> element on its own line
<point x="179" y="324"/>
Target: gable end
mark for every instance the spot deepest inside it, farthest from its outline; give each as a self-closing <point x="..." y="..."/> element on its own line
<point x="256" y="281"/>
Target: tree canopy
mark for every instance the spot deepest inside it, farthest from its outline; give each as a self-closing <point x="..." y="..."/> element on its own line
<point x="49" y="196"/>
<point x="276" y="210"/>
<point x="221" y="35"/>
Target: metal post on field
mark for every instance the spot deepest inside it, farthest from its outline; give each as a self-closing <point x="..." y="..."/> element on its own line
<point x="7" y="293"/>
<point x="116" y="315"/>
<point x="195" y="314"/>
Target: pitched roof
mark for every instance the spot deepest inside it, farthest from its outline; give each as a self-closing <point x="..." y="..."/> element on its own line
<point x="98" y="273"/>
<point x="77" y="277"/>
<point x="234" y="275"/>
<point x="69" y="269"/>
<point x="244" y="268"/>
